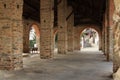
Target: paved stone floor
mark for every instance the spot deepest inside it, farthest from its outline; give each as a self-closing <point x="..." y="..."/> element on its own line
<point x="85" y="65"/>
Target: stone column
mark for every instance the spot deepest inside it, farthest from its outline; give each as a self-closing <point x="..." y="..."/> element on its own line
<point x="62" y="27"/>
<point x="70" y="31"/>
<point x="11" y="37"/>
<point x="46" y="36"/>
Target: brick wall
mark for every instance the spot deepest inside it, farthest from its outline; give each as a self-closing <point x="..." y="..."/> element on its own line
<point x="11" y="34"/>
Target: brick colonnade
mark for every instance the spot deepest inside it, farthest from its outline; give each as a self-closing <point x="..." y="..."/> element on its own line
<point x="103" y="38"/>
<point x="106" y="28"/>
<point x="26" y="29"/>
<point x="70" y="30"/>
<point x="11" y="35"/>
<point x="111" y="42"/>
<point x="77" y="38"/>
<point x="106" y="37"/>
<point x="108" y="31"/>
<point x="46" y="28"/>
<point x="116" y="30"/>
<point x="116" y="51"/>
<point x="62" y="27"/>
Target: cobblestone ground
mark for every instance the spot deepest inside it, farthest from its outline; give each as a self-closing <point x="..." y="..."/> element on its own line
<point x="89" y="64"/>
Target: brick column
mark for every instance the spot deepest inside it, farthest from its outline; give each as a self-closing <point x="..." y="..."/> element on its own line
<point x="70" y="31"/>
<point x="11" y="37"/>
<point x="38" y="42"/>
<point x="103" y="40"/>
<point x="111" y="42"/>
<point x="26" y="32"/>
<point x="116" y="57"/>
<point x="62" y="27"/>
<point x="107" y="36"/>
<point x="108" y="44"/>
<point x="100" y="41"/>
<point x="76" y="39"/>
<point x="46" y="36"/>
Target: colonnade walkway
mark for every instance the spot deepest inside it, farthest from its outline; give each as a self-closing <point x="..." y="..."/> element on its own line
<point x="79" y="65"/>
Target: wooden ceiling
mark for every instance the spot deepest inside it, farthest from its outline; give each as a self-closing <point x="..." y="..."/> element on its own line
<point x="85" y="11"/>
<point x="88" y="11"/>
<point x="31" y="9"/>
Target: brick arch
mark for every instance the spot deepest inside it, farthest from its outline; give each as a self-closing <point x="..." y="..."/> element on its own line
<point x="97" y="30"/>
<point x="37" y="29"/>
<point x="93" y="27"/>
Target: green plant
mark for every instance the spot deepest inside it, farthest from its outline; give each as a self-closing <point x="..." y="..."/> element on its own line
<point x="32" y="42"/>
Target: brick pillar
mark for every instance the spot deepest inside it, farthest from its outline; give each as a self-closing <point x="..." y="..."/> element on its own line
<point x="108" y="44"/>
<point x="46" y="36"/>
<point x="70" y="31"/>
<point x="100" y="41"/>
<point x="26" y="32"/>
<point x="38" y="42"/>
<point x="62" y="27"/>
<point x="111" y="42"/>
<point x="11" y="35"/>
<point x="116" y="57"/>
<point x="107" y="36"/>
<point x="76" y="39"/>
<point x="103" y="40"/>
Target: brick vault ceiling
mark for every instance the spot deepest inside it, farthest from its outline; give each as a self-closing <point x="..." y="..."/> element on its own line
<point x="85" y="11"/>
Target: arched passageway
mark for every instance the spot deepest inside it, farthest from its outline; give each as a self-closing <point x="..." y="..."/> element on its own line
<point x="31" y="39"/>
<point x="34" y="39"/>
<point x="89" y="38"/>
<point x="11" y="36"/>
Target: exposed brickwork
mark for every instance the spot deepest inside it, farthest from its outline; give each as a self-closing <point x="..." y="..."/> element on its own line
<point x="111" y="42"/>
<point x="26" y="29"/>
<point x="116" y="55"/>
<point x="46" y="36"/>
<point x="103" y="40"/>
<point x="70" y="28"/>
<point x="62" y="27"/>
<point x="77" y="45"/>
<point x="11" y="36"/>
<point x="107" y="41"/>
